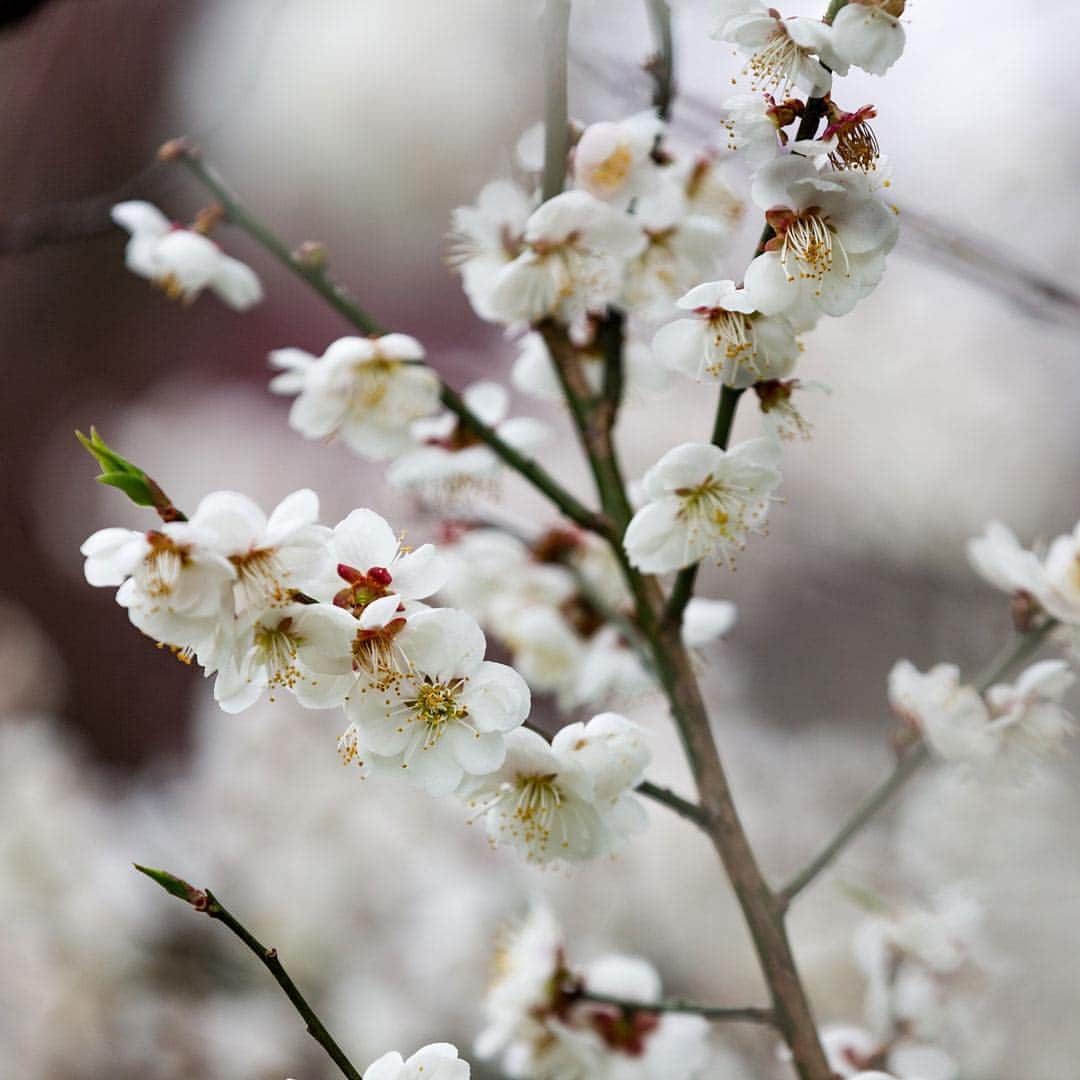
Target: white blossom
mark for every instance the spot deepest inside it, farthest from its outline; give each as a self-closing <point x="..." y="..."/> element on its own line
<point x="273" y="556"/>
<point x="784" y="53"/>
<point x="551" y="805"/>
<point x="706" y="620"/>
<point x="950" y="715"/>
<point x="572" y="263"/>
<point x="447" y="714"/>
<point x="868" y="34"/>
<point x="175" y="585"/>
<point x="486" y="237"/>
<point x="726" y="339"/>
<point x="437" y="1061"/>
<point x="613" y="161"/>
<point x="1061" y="571"/>
<point x="755" y="126"/>
<point x="832" y="236"/>
<point x="1028" y="716"/>
<point x="998" y="557"/>
<point x="450" y="460"/>
<point x="367" y="391"/>
<point x="702" y="500"/>
<point x="281" y="649"/>
<point x="183" y="262"/>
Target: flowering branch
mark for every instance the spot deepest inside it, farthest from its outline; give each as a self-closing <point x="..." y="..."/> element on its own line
<point x="313" y="271"/>
<point x="205" y="901"/>
<point x="913" y="760"/>
<point x="750" y="1014"/>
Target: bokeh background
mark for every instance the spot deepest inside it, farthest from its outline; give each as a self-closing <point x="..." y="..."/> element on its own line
<point x="954" y="400"/>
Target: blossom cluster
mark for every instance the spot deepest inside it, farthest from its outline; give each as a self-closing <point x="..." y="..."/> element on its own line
<point x="542" y="1024"/>
<point x="1010" y="725"/>
<point x="337" y="618"/>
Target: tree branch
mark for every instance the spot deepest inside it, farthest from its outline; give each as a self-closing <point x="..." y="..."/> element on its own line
<point x="661" y="66"/>
<point x="556" y="106"/>
<point x="667" y="797"/>
<point x="1018" y="651"/>
<point x="312" y="272"/>
<point x="749" y="1014"/>
<point x="205" y="901"/>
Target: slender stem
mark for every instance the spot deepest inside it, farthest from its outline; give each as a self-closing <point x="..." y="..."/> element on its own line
<point x="269" y="958"/>
<point x="661" y="66"/>
<point x="683" y="589"/>
<point x="556" y="107"/>
<point x="339" y="299"/>
<point x="751" y="1014"/>
<point x="1016" y="652"/>
<point x="667" y="797"/>
<point x="204" y="900"/>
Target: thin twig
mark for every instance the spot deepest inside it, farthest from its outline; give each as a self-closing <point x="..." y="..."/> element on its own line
<point x="749" y="1013"/>
<point x="661" y="66"/>
<point x="556" y="106"/>
<point x="913" y="760"/>
<point x="666" y="797"/>
<point x="205" y="901"/>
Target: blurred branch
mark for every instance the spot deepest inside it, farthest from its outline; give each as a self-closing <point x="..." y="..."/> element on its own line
<point x="1018" y="650"/>
<point x="204" y="900"/>
<point x="556" y="106"/>
<point x="667" y="797"/>
<point x="749" y="1014"/>
<point x="661" y="65"/>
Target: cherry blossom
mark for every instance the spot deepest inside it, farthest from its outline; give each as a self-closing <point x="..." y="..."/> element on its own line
<point x="702" y="500"/>
<point x="614" y="161"/>
<point x="444" y="716"/>
<point x="784" y="53"/>
<point x="182" y="262"/>
<point x="367" y="391"/>
<point x="831" y="237"/>
<point x="726" y="339"/>
<point x="486" y="237"/>
<point x="572" y="262"/>
<point x="437" y="1061"/>
<point x="867" y="34"/>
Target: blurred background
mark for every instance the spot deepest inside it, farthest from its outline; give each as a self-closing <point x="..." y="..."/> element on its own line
<point x="954" y="400"/>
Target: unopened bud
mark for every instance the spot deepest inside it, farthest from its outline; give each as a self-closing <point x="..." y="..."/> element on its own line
<point x="312" y="255"/>
<point x="178" y="887"/>
<point x="176" y="149"/>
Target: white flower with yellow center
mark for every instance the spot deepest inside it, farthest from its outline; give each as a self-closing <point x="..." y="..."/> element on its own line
<point x="176" y="587"/>
<point x="702" y="501"/>
<point x="784" y="53"/>
<point x="613" y="160"/>
<point x="949" y="714"/>
<point x="437" y="1061"/>
<point x="486" y="237"/>
<point x="450" y="460"/>
<point x="182" y="262"/>
<point x="449" y="712"/>
<point x="273" y="556"/>
<point x="282" y="649"/>
<point x="868" y="34"/>
<point x="832" y="234"/>
<point x="366" y="391"/>
<point x="726" y="339"/>
<point x="572" y="262"/>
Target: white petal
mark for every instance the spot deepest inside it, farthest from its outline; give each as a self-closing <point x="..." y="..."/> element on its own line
<point x="237" y="284"/>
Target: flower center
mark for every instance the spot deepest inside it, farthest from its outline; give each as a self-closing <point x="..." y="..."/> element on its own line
<point x="777" y="63"/>
<point x="258" y="576"/>
<point x="733" y="333"/>
<point x="809" y="240"/>
<point x="857" y="146"/>
<point x="276" y="648"/>
<point x="371" y="383"/>
<point x="611" y="173"/>
<point x="163" y="564"/>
